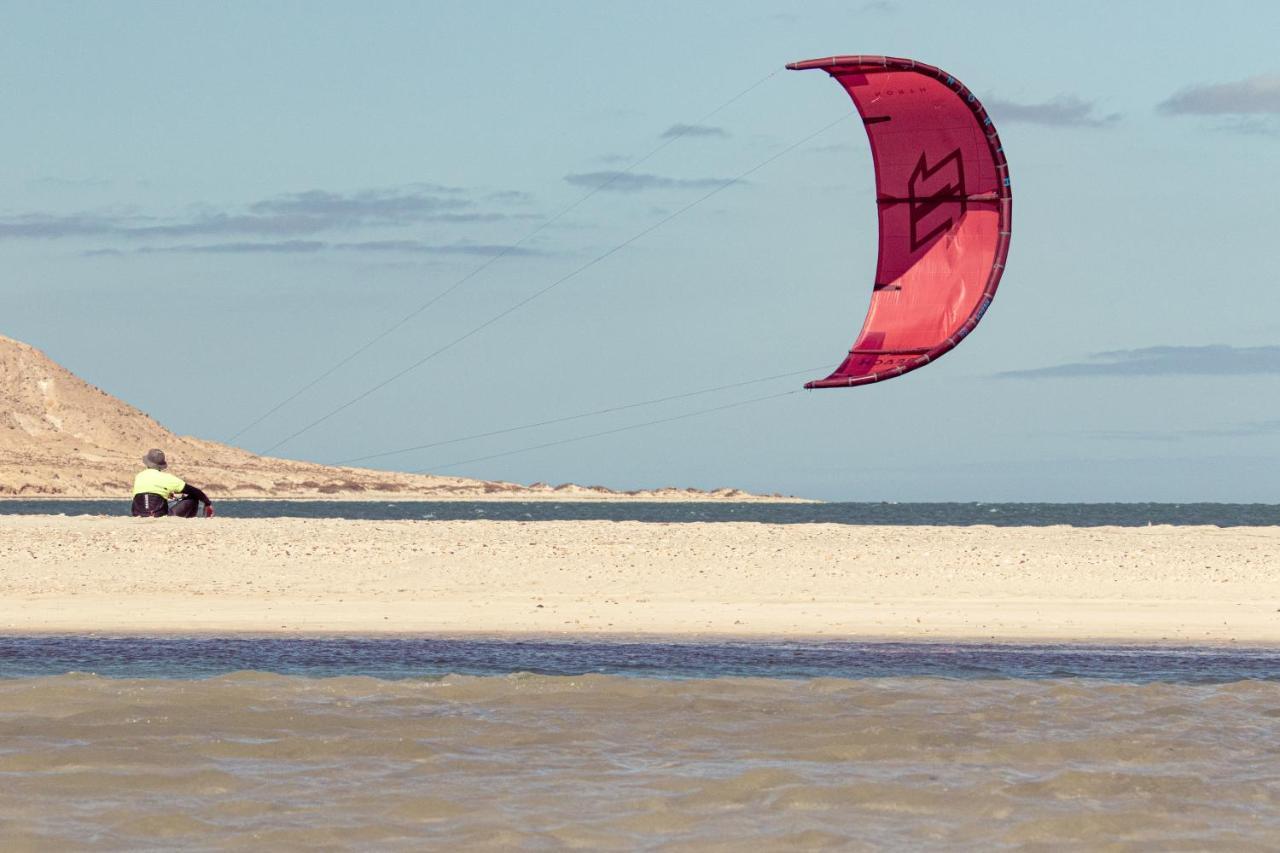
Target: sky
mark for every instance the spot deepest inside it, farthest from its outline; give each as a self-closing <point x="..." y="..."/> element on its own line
<point x="204" y="208"/>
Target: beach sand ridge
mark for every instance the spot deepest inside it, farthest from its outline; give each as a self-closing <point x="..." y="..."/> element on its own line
<point x="1150" y="584"/>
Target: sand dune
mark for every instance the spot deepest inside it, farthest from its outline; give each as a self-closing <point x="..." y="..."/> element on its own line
<point x="61" y="437"/>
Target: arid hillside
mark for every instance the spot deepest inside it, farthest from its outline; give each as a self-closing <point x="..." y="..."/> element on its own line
<point x="61" y="437"/>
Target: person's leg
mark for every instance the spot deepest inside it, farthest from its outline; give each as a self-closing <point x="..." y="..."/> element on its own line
<point x="185" y="508"/>
<point x="149" y="506"/>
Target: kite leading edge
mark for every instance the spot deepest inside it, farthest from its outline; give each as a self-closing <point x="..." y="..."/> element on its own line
<point x="945" y="210"/>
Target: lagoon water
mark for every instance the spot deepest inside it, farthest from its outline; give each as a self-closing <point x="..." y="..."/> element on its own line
<point x="433" y="743"/>
<point x="676" y="512"/>
<point x="285" y="743"/>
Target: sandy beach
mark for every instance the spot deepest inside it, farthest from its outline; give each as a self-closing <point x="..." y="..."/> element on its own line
<point x="1153" y="584"/>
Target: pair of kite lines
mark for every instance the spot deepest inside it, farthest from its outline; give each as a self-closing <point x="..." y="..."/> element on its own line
<point x="944" y="208"/>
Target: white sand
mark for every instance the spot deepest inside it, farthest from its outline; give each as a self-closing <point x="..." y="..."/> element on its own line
<point x="1155" y="584"/>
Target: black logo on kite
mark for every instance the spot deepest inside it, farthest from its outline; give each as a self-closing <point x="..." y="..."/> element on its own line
<point x="928" y="189"/>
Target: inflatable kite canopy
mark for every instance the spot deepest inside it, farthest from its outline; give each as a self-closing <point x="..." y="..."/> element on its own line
<point x="945" y="210"/>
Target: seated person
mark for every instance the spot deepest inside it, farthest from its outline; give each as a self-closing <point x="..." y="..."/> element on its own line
<point x="154" y="487"/>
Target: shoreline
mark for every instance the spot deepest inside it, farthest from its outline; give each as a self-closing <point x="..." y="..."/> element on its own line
<point x="594" y="580"/>
<point x="533" y="497"/>
<point x="1171" y="630"/>
<point x="691" y="639"/>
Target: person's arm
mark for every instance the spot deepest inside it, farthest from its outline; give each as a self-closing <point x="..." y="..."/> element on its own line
<point x="193" y="492"/>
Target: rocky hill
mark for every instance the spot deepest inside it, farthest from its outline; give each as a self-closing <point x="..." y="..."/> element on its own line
<point x="62" y="437"/>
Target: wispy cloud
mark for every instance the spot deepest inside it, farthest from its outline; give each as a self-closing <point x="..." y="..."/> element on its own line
<point x="1249" y="125"/>
<point x="510" y="197"/>
<point x="1248" y="429"/>
<point x="1162" y="436"/>
<point x="880" y="7"/>
<point x="462" y="247"/>
<point x="1165" y="361"/>
<point x="279" y="247"/>
<point x="1258" y="95"/>
<point x="1062" y="111"/>
<point x="676" y="131"/>
<point x="630" y="182"/>
<point x="69" y="183"/>
<point x="842" y="148"/>
<point x="296" y="247"/>
<point x="42" y="226"/>
<point x="293" y="215"/>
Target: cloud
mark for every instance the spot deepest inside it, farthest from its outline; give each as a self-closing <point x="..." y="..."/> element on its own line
<point x="676" y="131"/>
<point x="1258" y="95"/>
<point x="630" y="182"/>
<point x="1249" y="125"/>
<point x="842" y="148"/>
<point x="1062" y="111"/>
<point x="291" y="215"/>
<point x="294" y="247"/>
<point x="1215" y="360"/>
<point x="872" y="7"/>
<point x="222" y="224"/>
<point x="44" y="226"/>
<point x="462" y="247"/>
<point x="394" y="207"/>
<point x="1163" y="436"/>
<point x="70" y="183"/>
<point x="510" y="196"/>
<point x="283" y="247"/>
<point x="1248" y="429"/>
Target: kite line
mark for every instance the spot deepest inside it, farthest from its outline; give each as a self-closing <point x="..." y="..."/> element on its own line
<point x="606" y="411"/>
<point x="613" y="177"/>
<point x="613" y="431"/>
<point x="556" y="283"/>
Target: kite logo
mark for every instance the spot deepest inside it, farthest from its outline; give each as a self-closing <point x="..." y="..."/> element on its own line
<point x="946" y="177"/>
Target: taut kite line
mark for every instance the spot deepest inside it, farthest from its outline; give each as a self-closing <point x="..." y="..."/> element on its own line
<point x="945" y="209"/>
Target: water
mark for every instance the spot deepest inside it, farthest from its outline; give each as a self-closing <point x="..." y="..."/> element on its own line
<point x="999" y="514"/>
<point x="419" y="743"/>
<point x="626" y="746"/>
<point x="423" y="657"/>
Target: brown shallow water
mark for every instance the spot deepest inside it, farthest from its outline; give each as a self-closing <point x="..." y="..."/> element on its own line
<point x="609" y="762"/>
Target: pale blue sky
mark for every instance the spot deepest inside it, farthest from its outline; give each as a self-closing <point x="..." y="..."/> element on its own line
<point x="258" y="189"/>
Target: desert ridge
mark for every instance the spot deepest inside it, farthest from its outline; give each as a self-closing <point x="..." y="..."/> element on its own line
<point x="61" y="437"/>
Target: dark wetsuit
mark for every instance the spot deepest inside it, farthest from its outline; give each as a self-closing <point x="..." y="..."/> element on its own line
<point x="186" y="506"/>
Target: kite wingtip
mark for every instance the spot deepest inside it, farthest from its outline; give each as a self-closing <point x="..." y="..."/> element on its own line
<point x="805" y="64"/>
<point x="831" y="61"/>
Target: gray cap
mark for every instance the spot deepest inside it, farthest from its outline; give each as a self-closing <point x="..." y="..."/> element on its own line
<point x="155" y="459"/>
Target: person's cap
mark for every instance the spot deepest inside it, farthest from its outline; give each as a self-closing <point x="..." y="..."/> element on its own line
<point x="155" y="459"/>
